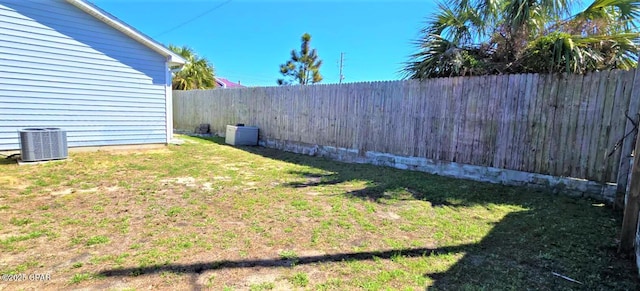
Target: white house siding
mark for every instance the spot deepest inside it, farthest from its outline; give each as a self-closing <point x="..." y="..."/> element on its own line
<point x="61" y="67"/>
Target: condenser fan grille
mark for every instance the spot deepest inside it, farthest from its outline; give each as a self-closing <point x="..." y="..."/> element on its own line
<point x="41" y="144"/>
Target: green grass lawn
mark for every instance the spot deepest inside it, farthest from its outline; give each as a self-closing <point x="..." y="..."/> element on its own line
<point x="207" y="215"/>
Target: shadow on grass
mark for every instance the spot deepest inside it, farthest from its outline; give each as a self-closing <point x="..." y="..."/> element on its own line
<point x="554" y="233"/>
<point x="8" y="159"/>
<point x="387" y="183"/>
<point x="359" y="256"/>
<point x="4" y="161"/>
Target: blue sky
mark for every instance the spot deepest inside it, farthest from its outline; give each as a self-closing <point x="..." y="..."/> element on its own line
<point x="248" y="40"/>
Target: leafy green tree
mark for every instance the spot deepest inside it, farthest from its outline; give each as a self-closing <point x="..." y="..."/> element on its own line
<point x="197" y="73"/>
<point x="303" y="67"/>
<point x="477" y="37"/>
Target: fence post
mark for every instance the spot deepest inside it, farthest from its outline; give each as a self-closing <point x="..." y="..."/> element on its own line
<point x="627" y="145"/>
<point x="630" y="220"/>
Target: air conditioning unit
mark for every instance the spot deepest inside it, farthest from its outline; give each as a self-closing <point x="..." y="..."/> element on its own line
<point x="41" y="144"/>
<point x="241" y="135"/>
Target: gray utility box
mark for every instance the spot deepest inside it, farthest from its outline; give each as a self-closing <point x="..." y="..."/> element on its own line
<point x="241" y="135"/>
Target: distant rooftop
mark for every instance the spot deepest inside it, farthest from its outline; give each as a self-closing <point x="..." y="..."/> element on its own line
<point x="224" y="83"/>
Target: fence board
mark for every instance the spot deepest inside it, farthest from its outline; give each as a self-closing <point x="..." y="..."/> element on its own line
<point x="571" y="169"/>
<point x="582" y="144"/>
<point x="559" y="125"/>
<point x="594" y="123"/>
<point x="546" y="120"/>
<point x="551" y="103"/>
<point x="512" y="115"/>
<point x="530" y="152"/>
<point x="520" y="122"/>
<point x="441" y="99"/>
<point x="471" y="119"/>
<point x="484" y="124"/>
<point x="618" y="121"/>
<point x="523" y="110"/>
<point x="481" y="127"/>
<point x="491" y="127"/>
<point x="603" y="143"/>
<point x="447" y="118"/>
<point x="559" y="121"/>
<point x="572" y="100"/>
<point x="406" y="126"/>
<point x="597" y="126"/>
<point x="501" y="90"/>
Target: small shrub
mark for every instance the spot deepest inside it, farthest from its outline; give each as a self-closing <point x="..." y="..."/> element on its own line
<point x="299" y="280"/>
<point x="77" y="278"/>
<point x="173" y="211"/>
<point x="98" y="239"/>
<point x="262" y="286"/>
<point x="20" y="221"/>
<point x="288" y="255"/>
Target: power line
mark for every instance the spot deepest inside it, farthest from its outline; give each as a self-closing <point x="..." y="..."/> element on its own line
<point x="194" y="18"/>
<point x="341" y="66"/>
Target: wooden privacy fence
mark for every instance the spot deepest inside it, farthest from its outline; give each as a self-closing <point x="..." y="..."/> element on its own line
<point x="558" y="125"/>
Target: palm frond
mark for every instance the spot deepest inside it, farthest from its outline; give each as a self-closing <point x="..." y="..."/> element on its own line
<point x="526" y="36"/>
<point x="197" y="73"/>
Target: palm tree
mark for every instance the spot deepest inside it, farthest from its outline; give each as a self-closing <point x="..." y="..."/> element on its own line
<point x="197" y="73"/>
<point x="475" y="37"/>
